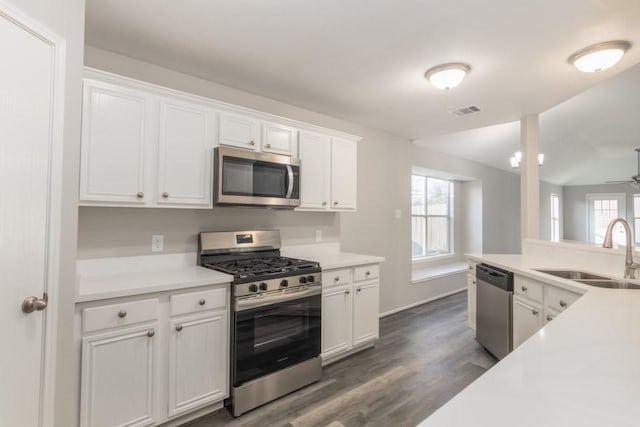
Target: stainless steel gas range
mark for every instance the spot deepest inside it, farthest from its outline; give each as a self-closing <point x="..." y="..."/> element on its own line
<point x="275" y="327"/>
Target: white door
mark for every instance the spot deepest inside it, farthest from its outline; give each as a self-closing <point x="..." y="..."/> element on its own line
<point x="344" y="174"/>
<point x="239" y="131"/>
<point x="315" y="156"/>
<point x="119" y="378"/>
<point x="197" y="362"/>
<point x="31" y="111"/>
<point x="527" y="320"/>
<point x="336" y="320"/>
<point x="116" y="128"/>
<point x="365" y="313"/>
<point x="185" y="153"/>
<point x="278" y="139"/>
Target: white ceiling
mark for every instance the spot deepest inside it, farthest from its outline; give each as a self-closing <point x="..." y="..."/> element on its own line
<point x="364" y="60"/>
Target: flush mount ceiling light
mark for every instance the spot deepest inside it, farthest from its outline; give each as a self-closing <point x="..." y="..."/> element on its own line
<point x="517" y="158"/>
<point x="447" y="76"/>
<point x="598" y="57"/>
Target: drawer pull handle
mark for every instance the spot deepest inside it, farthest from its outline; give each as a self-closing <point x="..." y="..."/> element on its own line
<point x="324" y="203"/>
<point x="165" y="195"/>
<point x="140" y="195"/>
<point x="534" y="312"/>
<point x="368" y="273"/>
<point x="470" y="268"/>
<point x="335" y="203"/>
<point x="336" y="279"/>
<point x="563" y="304"/>
<point x="202" y="301"/>
<point x="252" y="142"/>
<point x="151" y="333"/>
<point x="549" y="318"/>
<point x="524" y="288"/>
<point x="347" y="292"/>
<point x="268" y="146"/>
<point x="179" y="328"/>
<point x="473" y="281"/>
<point x="122" y="314"/>
<point x="359" y="289"/>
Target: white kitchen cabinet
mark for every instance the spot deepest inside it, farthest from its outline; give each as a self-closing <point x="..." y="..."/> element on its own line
<point x="365" y="312"/>
<point x="471" y="295"/>
<point x="527" y="320"/>
<point x="119" y="378"/>
<point x="337" y="308"/>
<point x="344" y="174"/>
<point x="278" y="139"/>
<point x="239" y="131"/>
<point x="185" y="153"/>
<point x="315" y="174"/>
<point x="197" y="361"/>
<point x="117" y="127"/>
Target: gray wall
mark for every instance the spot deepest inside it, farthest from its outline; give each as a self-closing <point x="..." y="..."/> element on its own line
<point x="471" y="192"/>
<point x="575" y="206"/>
<point x="546" y="189"/>
<point x="384" y="182"/>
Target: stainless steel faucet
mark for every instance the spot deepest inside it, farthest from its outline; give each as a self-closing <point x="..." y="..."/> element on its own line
<point x="630" y="267"/>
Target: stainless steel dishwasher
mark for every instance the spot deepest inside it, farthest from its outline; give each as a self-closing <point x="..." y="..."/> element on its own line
<point x="494" y="296"/>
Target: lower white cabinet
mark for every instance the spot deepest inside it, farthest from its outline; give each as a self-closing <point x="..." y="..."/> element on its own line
<point x="142" y="366"/>
<point x="197" y="361"/>
<point x="119" y="377"/>
<point x="350" y="310"/>
<point x="527" y="320"/>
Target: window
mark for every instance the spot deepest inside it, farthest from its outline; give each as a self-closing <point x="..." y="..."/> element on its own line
<point x="555" y="218"/>
<point x="602" y="209"/>
<point x="431" y="216"/>
<point x="636" y="218"/>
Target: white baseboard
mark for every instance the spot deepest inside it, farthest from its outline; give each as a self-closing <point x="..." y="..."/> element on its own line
<point x="415" y="304"/>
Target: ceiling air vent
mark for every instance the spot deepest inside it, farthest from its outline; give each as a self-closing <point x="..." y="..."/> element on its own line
<point x="464" y="111"/>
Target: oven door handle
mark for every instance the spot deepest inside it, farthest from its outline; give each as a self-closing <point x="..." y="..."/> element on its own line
<point x="290" y="180"/>
<point x="246" y="304"/>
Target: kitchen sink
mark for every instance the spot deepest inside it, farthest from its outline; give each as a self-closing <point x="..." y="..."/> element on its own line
<point x="610" y="284"/>
<point x="574" y="275"/>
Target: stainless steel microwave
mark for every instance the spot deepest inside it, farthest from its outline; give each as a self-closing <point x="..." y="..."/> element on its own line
<point x="247" y="178"/>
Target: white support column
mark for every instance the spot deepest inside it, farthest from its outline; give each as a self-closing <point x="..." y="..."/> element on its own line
<point x="529" y="178"/>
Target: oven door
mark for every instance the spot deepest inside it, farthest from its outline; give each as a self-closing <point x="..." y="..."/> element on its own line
<point x="273" y="337"/>
<point x="257" y="179"/>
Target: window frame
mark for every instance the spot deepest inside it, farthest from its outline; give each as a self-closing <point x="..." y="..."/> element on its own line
<point x="636" y="218"/>
<point x="449" y="216"/>
<point x="591" y="198"/>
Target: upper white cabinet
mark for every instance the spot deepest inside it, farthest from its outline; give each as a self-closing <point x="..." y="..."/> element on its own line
<point x="278" y="139"/>
<point x="239" y="131"/>
<point x="185" y="153"/>
<point x="116" y="127"/>
<point x="328" y="172"/>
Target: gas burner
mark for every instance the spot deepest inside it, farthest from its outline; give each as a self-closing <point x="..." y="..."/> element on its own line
<point x="262" y="268"/>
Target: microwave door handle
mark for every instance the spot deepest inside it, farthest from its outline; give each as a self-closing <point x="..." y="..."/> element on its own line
<point x="290" y="181"/>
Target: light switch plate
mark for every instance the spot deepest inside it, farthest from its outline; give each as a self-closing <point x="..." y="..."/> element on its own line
<point x="318" y="235"/>
<point x="157" y="243"/>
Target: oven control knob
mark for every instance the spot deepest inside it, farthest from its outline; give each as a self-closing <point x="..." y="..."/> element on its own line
<point x="303" y="279"/>
<point x="253" y="288"/>
<point x="263" y="286"/>
<point x="310" y="279"/>
<point x="284" y="283"/>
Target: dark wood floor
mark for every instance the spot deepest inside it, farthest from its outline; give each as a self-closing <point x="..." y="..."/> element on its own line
<point x="424" y="357"/>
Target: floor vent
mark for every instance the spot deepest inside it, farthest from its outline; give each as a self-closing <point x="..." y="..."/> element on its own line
<point x="464" y="111"/>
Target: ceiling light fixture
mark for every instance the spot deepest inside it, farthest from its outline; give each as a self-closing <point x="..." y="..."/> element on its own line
<point x="517" y="159"/>
<point x="598" y="57"/>
<point x="447" y="76"/>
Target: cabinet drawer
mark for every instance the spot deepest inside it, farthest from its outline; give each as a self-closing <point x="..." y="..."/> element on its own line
<point x="559" y="299"/>
<point x="529" y="289"/>
<point x="366" y="272"/>
<point x="336" y="277"/>
<point x="194" y="302"/>
<point x="116" y="315"/>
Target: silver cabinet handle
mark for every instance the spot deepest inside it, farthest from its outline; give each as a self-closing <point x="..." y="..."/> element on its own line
<point x="347" y="292"/>
<point x="473" y="281"/>
<point x="335" y="203"/>
<point x="549" y="318"/>
<point x="179" y="328"/>
<point x="151" y="333"/>
<point x="359" y="289"/>
<point x="202" y="301"/>
<point x="324" y="203"/>
<point x="368" y="273"/>
<point x="268" y="146"/>
<point x="140" y="195"/>
<point x="252" y="142"/>
<point x="122" y="314"/>
<point x="563" y="304"/>
<point x="165" y="195"/>
<point x="470" y="268"/>
<point x="534" y="312"/>
<point x="336" y="279"/>
<point x="524" y="288"/>
<point x="31" y="304"/>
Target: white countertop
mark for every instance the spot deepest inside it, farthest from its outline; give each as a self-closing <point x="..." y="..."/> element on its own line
<point x="582" y="369"/>
<point x="330" y="256"/>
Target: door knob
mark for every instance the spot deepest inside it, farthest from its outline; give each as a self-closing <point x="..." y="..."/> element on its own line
<point x="31" y="304"/>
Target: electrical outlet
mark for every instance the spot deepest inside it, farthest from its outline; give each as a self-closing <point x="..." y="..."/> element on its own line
<point x="157" y="243"/>
<point x="398" y="214"/>
<point x="318" y="235"/>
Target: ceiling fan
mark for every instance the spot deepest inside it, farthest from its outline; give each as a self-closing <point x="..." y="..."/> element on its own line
<point x="635" y="179"/>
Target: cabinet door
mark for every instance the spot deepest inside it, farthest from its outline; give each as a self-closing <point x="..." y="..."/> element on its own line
<point x="344" y="174"/>
<point x="185" y="153"/>
<point x="119" y="378"/>
<point x="278" y="139"/>
<point x="198" y="362"/>
<point x="471" y="300"/>
<point x="116" y="127"/>
<point x="527" y="320"/>
<point x="315" y="156"/>
<point x="365" y="313"/>
<point x="336" y="320"/>
<point x="239" y="131"/>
